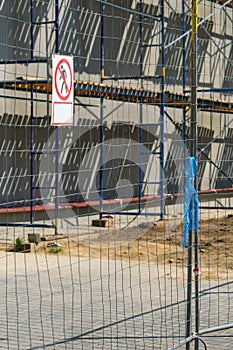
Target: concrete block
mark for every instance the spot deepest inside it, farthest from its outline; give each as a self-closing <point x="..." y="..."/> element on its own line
<point x="34" y="237"/>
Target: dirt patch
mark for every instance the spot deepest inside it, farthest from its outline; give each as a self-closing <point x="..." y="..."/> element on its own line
<point x="155" y="245"/>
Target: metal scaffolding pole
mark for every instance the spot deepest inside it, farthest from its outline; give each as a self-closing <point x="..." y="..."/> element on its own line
<point x="58" y="128"/>
<point x="184" y="129"/>
<point x="140" y="112"/>
<point x="32" y="131"/>
<point x="101" y="127"/>
<point x="33" y="150"/>
<point x="162" y="110"/>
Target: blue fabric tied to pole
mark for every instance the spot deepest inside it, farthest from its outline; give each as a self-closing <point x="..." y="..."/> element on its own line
<point x="191" y="203"/>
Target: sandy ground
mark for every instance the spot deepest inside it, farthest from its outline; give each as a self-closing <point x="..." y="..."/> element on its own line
<point x="159" y="244"/>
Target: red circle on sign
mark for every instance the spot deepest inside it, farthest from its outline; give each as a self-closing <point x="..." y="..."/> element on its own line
<point x="68" y="88"/>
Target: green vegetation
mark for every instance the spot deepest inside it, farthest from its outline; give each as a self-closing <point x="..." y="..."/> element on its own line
<point x="18" y="243"/>
<point x="55" y="250"/>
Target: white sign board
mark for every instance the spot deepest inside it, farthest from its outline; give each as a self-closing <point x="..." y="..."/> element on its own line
<point x="62" y="90"/>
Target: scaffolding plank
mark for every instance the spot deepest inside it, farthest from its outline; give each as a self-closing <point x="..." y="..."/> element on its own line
<point x="119" y="93"/>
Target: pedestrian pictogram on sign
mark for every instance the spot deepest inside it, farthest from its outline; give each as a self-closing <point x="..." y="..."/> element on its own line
<point x="63" y="91"/>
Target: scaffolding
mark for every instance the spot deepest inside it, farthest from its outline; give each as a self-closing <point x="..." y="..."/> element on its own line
<point x="102" y="91"/>
<point x="150" y="90"/>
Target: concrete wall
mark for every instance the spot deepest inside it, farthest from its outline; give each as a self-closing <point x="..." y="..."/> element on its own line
<point x="80" y="25"/>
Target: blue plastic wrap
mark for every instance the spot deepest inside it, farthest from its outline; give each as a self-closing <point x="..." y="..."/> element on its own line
<point x="191" y="204"/>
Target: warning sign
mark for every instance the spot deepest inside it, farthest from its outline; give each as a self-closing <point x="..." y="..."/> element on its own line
<point x="63" y="90"/>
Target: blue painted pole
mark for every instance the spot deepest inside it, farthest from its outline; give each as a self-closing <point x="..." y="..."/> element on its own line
<point x="32" y="141"/>
<point x="31" y="29"/>
<point x="58" y="129"/>
<point x="140" y="111"/>
<point x="32" y="134"/>
<point x="101" y="129"/>
<point x="162" y="110"/>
